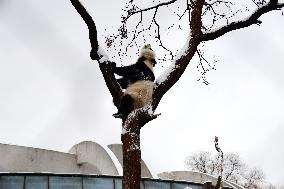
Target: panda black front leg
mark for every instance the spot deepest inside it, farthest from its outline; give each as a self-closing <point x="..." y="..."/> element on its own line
<point x="125" y="107"/>
<point x="123" y="82"/>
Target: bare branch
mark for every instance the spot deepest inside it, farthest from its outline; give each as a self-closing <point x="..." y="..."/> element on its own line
<point x="105" y="68"/>
<point x="214" y="10"/>
<point x="135" y="31"/>
<point x="183" y="14"/>
<point x="172" y="75"/>
<point x="204" y="66"/>
<point x="140" y="29"/>
<point x="159" y="35"/>
<point x="253" y="19"/>
<point x="153" y="7"/>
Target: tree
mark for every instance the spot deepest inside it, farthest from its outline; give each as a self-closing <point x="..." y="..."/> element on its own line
<point x="269" y="186"/>
<point x="205" y="162"/>
<point x="205" y="21"/>
<point x="201" y="162"/>
<point x="253" y="179"/>
<point x="234" y="169"/>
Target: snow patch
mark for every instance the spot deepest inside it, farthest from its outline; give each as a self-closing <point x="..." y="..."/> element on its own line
<point x="173" y="65"/>
<point x="134" y="147"/>
<point x="147" y="108"/>
<point x="184" y="49"/>
<point x="166" y="73"/>
<point x="103" y="56"/>
<point x="124" y="131"/>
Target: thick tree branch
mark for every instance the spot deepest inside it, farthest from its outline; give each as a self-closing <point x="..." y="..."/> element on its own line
<point x="91" y="27"/>
<point x="174" y="72"/>
<point x="253" y="19"/>
<point x="105" y="68"/>
<point x="113" y="86"/>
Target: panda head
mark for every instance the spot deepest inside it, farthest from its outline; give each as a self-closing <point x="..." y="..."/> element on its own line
<point x="148" y="54"/>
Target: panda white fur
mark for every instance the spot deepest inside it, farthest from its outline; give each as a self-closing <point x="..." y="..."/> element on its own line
<point x="137" y="80"/>
<point x="141" y="92"/>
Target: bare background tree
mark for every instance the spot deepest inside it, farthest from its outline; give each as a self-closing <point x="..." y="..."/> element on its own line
<point x="254" y="178"/>
<point x="202" y="21"/>
<point x="234" y="169"/>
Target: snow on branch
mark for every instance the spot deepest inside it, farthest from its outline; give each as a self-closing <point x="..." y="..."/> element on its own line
<point x="142" y="115"/>
<point x="252" y="19"/>
<point x="103" y="56"/>
<point x="166" y="74"/>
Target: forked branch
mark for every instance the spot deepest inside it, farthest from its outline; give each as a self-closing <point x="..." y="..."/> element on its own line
<point x="179" y="65"/>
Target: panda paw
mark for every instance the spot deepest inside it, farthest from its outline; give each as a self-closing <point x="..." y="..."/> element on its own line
<point x="112" y="64"/>
<point x="118" y="115"/>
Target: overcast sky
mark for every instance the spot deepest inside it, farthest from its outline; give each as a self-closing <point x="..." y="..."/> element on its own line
<point x="53" y="96"/>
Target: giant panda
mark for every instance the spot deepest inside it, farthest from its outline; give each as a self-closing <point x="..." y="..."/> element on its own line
<point x="138" y="81"/>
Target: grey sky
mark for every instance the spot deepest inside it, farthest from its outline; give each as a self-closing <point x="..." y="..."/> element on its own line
<point x="52" y="96"/>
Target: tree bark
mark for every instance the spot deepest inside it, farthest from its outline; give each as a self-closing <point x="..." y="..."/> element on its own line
<point x="131" y="157"/>
<point x="207" y="185"/>
<point x="219" y="183"/>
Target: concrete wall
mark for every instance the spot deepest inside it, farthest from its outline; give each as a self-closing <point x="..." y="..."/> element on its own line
<point x="95" y="154"/>
<point x="25" y="159"/>
<point x="117" y="150"/>
<point x="86" y="158"/>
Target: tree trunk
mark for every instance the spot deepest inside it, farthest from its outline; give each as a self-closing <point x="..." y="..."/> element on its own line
<point x="131" y="156"/>
<point x="207" y="185"/>
<point x="219" y="183"/>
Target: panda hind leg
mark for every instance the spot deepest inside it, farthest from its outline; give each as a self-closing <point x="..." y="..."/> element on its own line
<point x="125" y="107"/>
